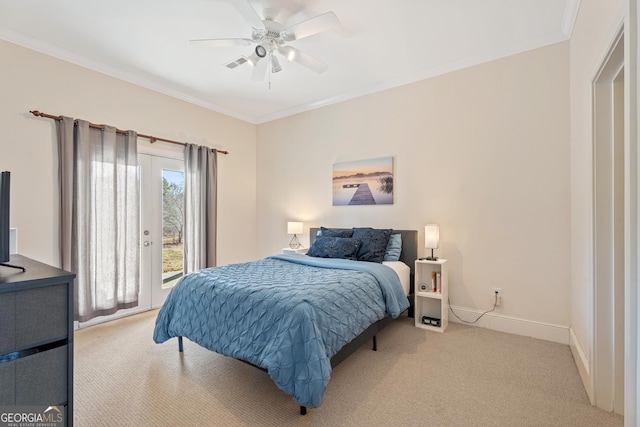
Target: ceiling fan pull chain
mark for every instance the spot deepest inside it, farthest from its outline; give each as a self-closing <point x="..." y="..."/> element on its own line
<point x="270" y="68"/>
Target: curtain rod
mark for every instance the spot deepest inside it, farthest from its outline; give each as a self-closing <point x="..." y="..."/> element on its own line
<point x="150" y="138"/>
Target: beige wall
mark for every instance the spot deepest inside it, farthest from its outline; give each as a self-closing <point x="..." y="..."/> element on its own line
<point x="33" y="81"/>
<point x="481" y="151"/>
<point x="594" y="31"/>
<point x="484" y="152"/>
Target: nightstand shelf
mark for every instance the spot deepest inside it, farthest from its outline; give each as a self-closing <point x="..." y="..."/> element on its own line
<point x="436" y="295"/>
<point x="434" y="306"/>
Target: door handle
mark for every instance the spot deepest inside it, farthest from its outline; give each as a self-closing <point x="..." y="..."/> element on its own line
<point x="147" y="243"/>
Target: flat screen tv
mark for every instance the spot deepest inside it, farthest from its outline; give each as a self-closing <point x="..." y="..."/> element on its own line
<point x="5" y="184"/>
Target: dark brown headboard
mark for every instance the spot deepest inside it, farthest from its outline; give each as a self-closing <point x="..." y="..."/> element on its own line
<point x="409" y="253"/>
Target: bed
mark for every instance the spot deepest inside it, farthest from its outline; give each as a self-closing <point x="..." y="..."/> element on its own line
<point x="293" y="316"/>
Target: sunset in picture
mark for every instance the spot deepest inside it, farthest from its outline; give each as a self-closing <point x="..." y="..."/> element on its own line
<point x="363" y="182"/>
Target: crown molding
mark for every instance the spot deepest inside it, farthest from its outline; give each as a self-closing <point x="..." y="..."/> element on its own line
<point x="415" y="77"/>
<point x="102" y="68"/>
<point x="569" y="17"/>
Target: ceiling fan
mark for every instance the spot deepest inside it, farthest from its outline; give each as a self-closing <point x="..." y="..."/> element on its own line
<point x="270" y="37"/>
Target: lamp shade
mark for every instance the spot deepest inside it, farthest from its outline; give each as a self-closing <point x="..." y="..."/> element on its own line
<point x="275" y="64"/>
<point x="294" y="227"/>
<point x="431" y="236"/>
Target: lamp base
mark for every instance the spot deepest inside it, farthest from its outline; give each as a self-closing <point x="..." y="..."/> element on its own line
<point x="295" y="243"/>
<point x="431" y="258"/>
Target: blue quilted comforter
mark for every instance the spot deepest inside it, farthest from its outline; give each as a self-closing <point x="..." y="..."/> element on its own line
<point x="287" y="314"/>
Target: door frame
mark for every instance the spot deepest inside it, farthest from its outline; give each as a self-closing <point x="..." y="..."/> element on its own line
<point x="608" y="230"/>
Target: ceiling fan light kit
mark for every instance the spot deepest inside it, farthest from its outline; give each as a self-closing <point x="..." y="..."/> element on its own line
<point x="271" y="38"/>
<point x="275" y="64"/>
<point x="261" y="51"/>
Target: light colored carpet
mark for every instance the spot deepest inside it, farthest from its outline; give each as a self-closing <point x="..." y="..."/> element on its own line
<point x="465" y="377"/>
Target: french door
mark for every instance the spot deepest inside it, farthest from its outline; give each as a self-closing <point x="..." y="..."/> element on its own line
<point x="161" y="227"/>
<point x="161" y="182"/>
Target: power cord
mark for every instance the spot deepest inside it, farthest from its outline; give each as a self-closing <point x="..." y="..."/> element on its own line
<point x="495" y="303"/>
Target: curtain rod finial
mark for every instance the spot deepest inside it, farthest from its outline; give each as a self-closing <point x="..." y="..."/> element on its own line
<point x="35" y="113"/>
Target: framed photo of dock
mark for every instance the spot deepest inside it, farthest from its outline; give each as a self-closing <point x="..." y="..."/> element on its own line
<point x="363" y="182"/>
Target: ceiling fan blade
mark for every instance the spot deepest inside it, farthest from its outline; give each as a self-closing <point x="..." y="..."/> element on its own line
<point x="317" y="24"/>
<point x="248" y="13"/>
<point x="295" y="55"/>
<point x="259" y="70"/>
<point x="220" y="42"/>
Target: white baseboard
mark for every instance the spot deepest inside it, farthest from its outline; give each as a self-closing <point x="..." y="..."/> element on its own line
<point x="582" y="363"/>
<point x="513" y="325"/>
<point x="103" y="319"/>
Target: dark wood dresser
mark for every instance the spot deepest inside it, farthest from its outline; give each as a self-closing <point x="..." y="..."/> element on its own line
<point x="36" y="336"/>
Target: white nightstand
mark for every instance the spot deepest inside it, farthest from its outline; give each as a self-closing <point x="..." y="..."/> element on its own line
<point x="294" y="251"/>
<point x="432" y="305"/>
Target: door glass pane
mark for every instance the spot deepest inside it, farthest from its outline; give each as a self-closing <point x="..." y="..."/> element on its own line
<point x="172" y="226"/>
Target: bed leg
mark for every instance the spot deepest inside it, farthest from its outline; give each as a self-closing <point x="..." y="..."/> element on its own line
<point x="303" y="410"/>
<point x="180" y="347"/>
<point x="375" y="344"/>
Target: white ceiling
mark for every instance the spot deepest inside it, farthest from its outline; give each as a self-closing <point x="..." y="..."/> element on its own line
<point x="380" y="44"/>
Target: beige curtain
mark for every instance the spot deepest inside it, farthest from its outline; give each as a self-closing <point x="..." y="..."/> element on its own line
<point x="200" y="197"/>
<point x="99" y="216"/>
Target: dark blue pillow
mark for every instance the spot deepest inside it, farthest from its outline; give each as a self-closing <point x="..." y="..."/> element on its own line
<point x="335" y="232"/>
<point x="374" y="243"/>
<point x="334" y="247"/>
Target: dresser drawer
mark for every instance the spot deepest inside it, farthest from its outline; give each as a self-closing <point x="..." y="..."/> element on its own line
<point x="7" y="323"/>
<point x="41" y="379"/>
<point x="33" y="316"/>
<point x="38" y="379"/>
<point x="8" y="381"/>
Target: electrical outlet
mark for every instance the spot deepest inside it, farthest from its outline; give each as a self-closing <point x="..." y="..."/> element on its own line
<point x="496" y="293"/>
